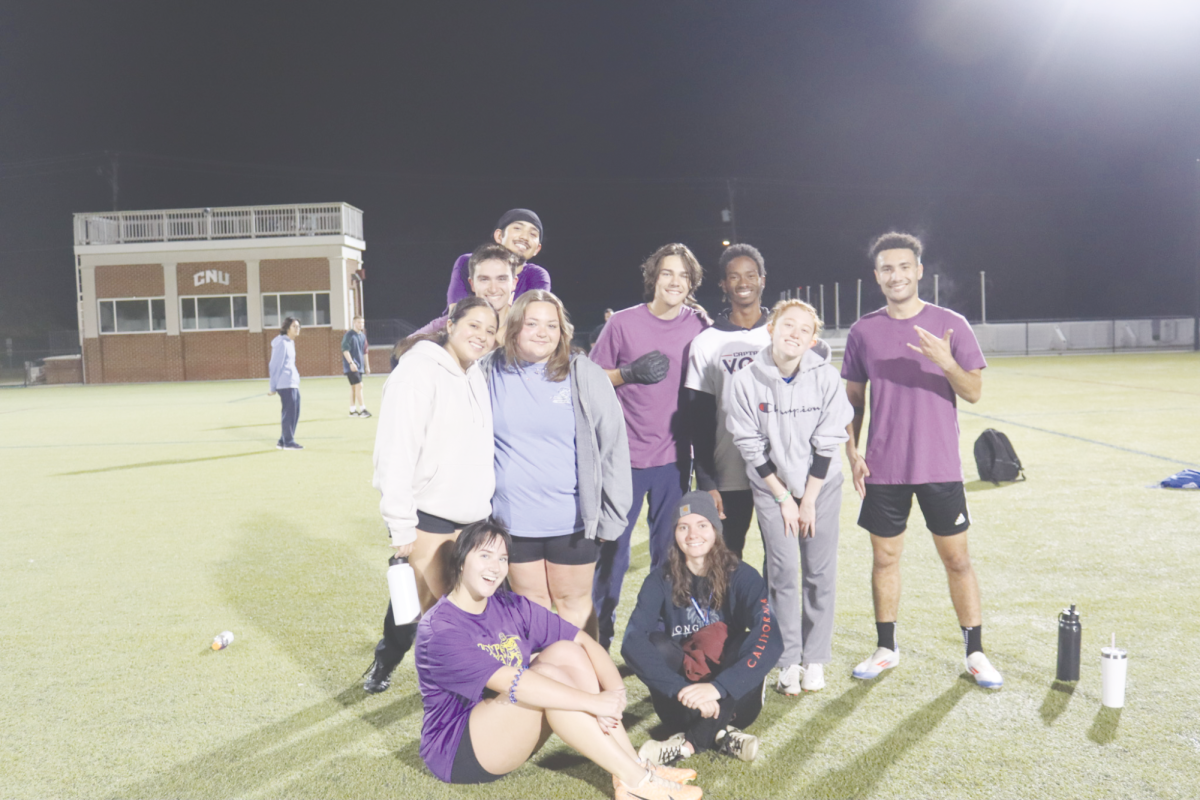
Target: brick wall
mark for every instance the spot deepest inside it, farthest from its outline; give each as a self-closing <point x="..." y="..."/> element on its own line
<point x="94" y="364"/>
<point x="64" y="369"/>
<point x="381" y="360"/>
<point x="129" y="280"/>
<point x="216" y="355"/>
<point x="294" y="275"/>
<point x="133" y="358"/>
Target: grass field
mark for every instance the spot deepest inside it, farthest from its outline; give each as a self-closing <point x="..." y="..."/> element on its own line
<point x="140" y="521"/>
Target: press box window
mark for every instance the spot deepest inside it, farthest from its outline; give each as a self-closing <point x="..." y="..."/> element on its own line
<point x="143" y="315"/>
<point x="213" y="312"/>
<point x="310" y="308"/>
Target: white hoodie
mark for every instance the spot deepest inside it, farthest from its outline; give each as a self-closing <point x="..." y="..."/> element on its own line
<point x="434" y="448"/>
<point x="787" y="423"/>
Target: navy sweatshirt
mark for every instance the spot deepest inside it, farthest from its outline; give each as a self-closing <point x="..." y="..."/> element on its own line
<point x="745" y="609"/>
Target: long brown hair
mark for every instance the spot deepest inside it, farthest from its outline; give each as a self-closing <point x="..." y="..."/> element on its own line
<point x="441" y="337"/>
<point x="719" y="564"/>
<point x="558" y="366"/>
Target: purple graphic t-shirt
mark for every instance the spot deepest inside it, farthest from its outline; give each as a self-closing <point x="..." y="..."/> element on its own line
<point x="656" y="433"/>
<point x="913" y="432"/>
<point x="457" y="652"/>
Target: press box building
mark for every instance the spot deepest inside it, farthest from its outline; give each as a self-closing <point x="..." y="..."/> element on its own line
<point x="198" y="294"/>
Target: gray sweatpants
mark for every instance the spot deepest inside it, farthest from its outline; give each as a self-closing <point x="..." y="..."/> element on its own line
<point x="808" y="634"/>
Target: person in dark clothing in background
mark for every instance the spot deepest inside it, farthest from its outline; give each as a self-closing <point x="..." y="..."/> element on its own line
<point x="702" y="639"/>
<point x="355" y="365"/>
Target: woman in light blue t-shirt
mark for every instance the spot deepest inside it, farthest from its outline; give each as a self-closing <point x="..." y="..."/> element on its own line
<point x="563" y="483"/>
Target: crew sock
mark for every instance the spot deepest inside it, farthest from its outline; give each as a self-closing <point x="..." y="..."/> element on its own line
<point x="973" y="639"/>
<point x="886" y="635"/>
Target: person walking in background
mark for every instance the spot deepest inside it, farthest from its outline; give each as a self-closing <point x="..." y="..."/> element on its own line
<point x="562" y="457"/>
<point x="355" y="365"/>
<point x="285" y="379"/>
<point x="520" y="232"/>
<point x="703" y="640"/>
<point x="735" y="338"/>
<point x="918" y="358"/>
<point x="788" y="415"/>
<point x="594" y="336"/>
<point x="433" y="460"/>
<point x="644" y="350"/>
<point x="498" y="673"/>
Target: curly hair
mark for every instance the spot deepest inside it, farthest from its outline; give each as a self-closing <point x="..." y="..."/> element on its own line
<point x="719" y="564"/>
<point x="895" y="240"/>
<point x="653" y="265"/>
<point x="741" y="251"/>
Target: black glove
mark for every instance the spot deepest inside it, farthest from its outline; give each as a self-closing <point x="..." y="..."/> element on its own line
<point x="650" y="368"/>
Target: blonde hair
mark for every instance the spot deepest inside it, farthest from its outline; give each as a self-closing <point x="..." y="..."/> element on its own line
<point x="783" y="305"/>
<point x="559" y="363"/>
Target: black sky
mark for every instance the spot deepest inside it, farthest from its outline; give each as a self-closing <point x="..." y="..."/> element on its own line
<point x="1052" y="143"/>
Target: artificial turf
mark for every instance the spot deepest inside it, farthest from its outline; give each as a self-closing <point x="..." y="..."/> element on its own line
<point x="140" y="521"/>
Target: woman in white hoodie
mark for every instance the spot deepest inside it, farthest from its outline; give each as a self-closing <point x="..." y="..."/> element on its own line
<point x="788" y="418"/>
<point x="433" y="460"/>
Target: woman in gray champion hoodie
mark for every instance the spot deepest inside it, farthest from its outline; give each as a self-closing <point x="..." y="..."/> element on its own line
<point x="788" y="416"/>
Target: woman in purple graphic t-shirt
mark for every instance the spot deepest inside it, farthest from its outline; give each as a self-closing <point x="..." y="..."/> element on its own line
<point x="495" y="668"/>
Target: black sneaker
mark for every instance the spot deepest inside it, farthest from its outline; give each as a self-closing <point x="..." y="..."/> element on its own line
<point x="378" y="676"/>
<point x="364" y="413"/>
<point x="293" y="446"/>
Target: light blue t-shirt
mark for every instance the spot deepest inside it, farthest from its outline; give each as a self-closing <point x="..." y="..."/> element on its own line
<point x="537" y="486"/>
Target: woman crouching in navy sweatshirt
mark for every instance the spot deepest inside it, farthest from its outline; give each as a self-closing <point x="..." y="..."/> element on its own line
<point x="702" y="638"/>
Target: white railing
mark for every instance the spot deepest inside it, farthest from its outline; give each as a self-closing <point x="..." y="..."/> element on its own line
<point x="242" y="222"/>
<point x="1025" y="338"/>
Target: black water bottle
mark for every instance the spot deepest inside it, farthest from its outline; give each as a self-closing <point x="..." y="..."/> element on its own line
<point x="1069" y="640"/>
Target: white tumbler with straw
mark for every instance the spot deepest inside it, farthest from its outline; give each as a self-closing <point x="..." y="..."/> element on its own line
<point x="1113" y="665"/>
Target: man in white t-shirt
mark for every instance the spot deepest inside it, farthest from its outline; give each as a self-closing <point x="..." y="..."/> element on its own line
<point x="735" y="338"/>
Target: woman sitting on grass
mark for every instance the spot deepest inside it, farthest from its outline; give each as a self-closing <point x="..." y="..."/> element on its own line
<point x="498" y="673"/>
<point x="702" y="639"/>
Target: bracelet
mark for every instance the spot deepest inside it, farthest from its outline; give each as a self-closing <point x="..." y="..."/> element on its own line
<point x="512" y="690"/>
<point x="782" y="497"/>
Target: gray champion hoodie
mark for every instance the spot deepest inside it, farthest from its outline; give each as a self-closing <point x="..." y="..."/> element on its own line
<point x="787" y="423"/>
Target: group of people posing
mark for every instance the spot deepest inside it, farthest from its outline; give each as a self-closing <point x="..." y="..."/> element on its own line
<point x="513" y="469"/>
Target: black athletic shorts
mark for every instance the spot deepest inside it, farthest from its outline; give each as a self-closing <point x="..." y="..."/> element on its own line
<point x="431" y="524"/>
<point x="572" y="549"/>
<point x="886" y="507"/>
<point x="466" y="767"/>
<point x="355" y="378"/>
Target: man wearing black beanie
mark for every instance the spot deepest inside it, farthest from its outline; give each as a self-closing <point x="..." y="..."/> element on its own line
<point x="520" y="231"/>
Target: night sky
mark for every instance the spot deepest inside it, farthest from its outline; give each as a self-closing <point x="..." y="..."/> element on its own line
<point x="1052" y="143"/>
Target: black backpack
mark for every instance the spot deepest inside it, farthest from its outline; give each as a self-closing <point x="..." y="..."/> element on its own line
<point x="995" y="458"/>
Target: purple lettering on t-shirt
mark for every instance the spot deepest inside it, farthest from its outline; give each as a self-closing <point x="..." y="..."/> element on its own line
<point x="457" y="652"/>
<point x="656" y="432"/>
<point x="913" y="432"/>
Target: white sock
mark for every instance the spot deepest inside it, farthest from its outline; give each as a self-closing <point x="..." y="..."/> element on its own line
<point x="352" y="409"/>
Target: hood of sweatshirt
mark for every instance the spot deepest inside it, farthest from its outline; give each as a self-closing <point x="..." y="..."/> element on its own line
<point x="722" y="322"/>
<point x="818" y="355"/>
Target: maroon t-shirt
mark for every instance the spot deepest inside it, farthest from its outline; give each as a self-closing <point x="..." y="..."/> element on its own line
<point x="913" y="432"/>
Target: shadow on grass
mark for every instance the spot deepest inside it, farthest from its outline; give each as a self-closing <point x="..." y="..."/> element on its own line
<point x="858" y="778"/>
<point x="985" y="486"/>
<point x="823" y="723"/>
<point x="274" y="751"/>
<point x="1056" y="701"/>
<point x="1104" y="726"/>
<point x="167" y="463"/>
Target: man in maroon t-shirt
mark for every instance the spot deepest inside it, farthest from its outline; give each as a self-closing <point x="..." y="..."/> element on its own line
<point x="918" y="358"/>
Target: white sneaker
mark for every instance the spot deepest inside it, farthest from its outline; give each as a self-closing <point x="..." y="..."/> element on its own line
<point x="789" y="680"/>
<point x="814" y="677"/>
<point x="985" y="674"/>
<point x="880" y="660"/>
<point x="666" y="751"/>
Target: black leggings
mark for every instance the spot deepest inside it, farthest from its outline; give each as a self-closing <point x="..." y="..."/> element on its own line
<point x="701" y="732"/>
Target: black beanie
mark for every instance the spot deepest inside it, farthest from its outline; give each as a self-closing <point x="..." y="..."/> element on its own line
<point x="698" y="502"/>
<point x="522" y="215"/>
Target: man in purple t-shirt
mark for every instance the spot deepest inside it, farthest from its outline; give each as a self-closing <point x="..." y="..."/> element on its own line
<point x="644" y="349"/>
<point x="519" y="231"/>
<point x="918" y="358"/>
